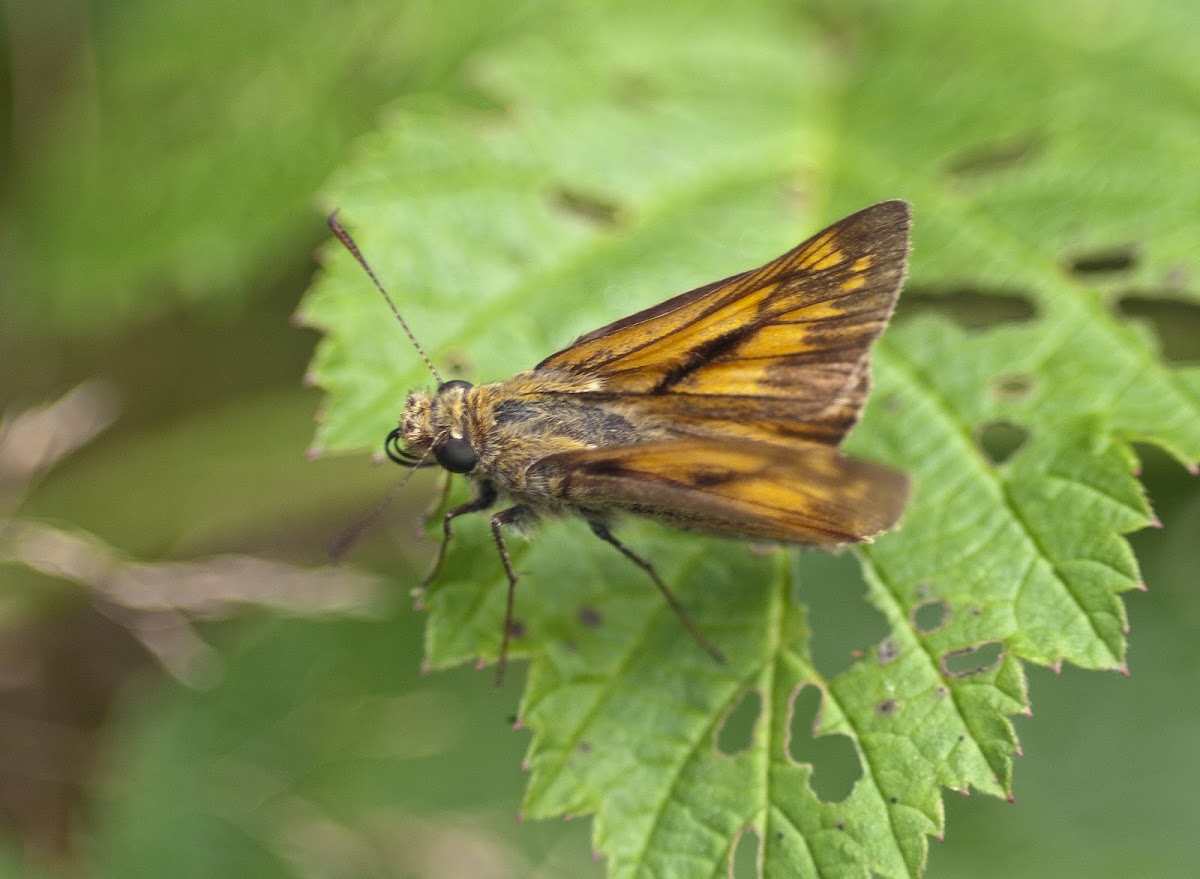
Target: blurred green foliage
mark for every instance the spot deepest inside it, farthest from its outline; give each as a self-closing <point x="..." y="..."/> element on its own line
<point x="176" y="154"/>
<point x="159" y="175"/>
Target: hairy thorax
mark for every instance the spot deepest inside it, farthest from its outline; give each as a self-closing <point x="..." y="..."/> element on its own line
<point x="513" y="424"/>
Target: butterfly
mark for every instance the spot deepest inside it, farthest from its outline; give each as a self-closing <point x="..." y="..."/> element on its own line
<point x="719" y="410"/>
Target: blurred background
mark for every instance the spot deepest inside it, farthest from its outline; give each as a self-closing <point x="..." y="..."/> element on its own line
<point x="187" y="686"/>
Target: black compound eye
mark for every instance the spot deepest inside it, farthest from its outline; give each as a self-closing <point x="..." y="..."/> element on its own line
<point x="456" y="455"/>
<point x="454" y="383"/>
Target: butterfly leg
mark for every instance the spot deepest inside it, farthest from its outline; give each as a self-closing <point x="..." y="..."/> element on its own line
<point x="434" y="509"/>
<point x="601" y="531"/>
<point x="486" y="497"/>
<point x="511" y="516"/>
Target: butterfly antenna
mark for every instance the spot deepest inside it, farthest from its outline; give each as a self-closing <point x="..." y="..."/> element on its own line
<point x="353" y="533"/>
<point x="343" y="236"/>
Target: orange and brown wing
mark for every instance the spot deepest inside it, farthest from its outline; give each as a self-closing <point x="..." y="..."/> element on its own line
<point x="808" y="493"/>
<point x="776" y="352"/>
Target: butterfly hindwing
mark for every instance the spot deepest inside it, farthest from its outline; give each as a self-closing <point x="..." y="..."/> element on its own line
<point x="807" y="493"/>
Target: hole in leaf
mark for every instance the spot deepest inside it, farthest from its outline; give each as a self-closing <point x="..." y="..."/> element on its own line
<point x="1000" y="440"/>
<point x="744" y="859"/>
<point x="930" y="616"/>
<point x="1013" y="385"/>
<point x="1176" y="323"/>
<point x="592" y="208"/>
<point x="1107" y="260"/>
<point x="972" y="660"/>
<point x="970" y="308"/>
<point x="834" y="760"/>
<point x="996" y="156"/>
<point x="735" y="733"/>
<point x="842" y="623"/>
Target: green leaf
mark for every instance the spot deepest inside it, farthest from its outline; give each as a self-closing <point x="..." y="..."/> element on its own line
<point x="629" y="163"/>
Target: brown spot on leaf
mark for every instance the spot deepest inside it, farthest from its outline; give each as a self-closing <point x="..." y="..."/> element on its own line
<point x="592" y="208"/>
<point x="590" y="617"/>
<point x="999" y="155"/>
<point x="888" y="652"/>
<point x="1012" y="385"/>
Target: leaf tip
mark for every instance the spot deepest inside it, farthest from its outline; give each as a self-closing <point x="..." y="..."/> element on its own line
<point x="1155" y="522"/>
<point x="312" y="453"/>
<point x="1018" y="751"/>
<point x="1123" y="669"/>
<point x="1012" y="800"/>
<point x="1142" y="587"/>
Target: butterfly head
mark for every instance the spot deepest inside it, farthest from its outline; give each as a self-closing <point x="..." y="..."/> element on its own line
<point x="435" y="424"/>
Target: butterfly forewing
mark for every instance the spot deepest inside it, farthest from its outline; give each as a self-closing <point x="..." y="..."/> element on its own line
<point x="777" y="352"/>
